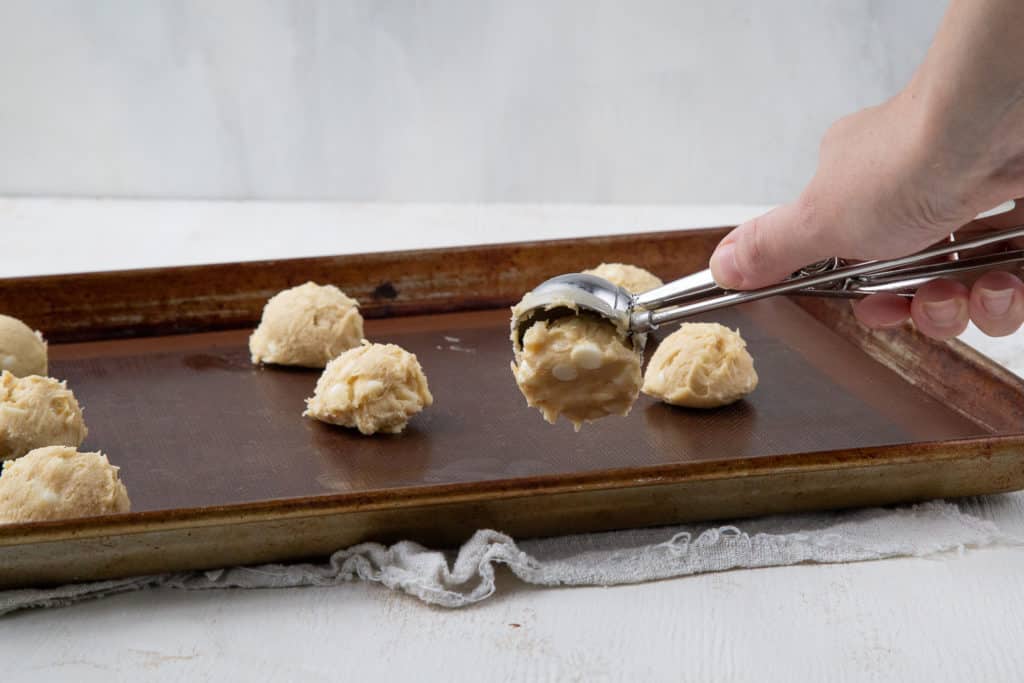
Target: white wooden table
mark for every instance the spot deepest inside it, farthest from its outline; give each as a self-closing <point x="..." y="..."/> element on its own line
<point x="954" y="618"/>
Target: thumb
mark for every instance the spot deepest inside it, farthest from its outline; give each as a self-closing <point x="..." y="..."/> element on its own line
<point x="768" y="249"/>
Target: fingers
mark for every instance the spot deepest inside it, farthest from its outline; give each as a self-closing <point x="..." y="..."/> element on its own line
<point x="996" y="304"/>
<point x="882" y="310"/>
<point x="768" y="249"/>
<point x="940" y="309"/>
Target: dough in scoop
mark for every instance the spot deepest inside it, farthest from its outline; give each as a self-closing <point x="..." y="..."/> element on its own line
<point x="58" y="482"/>
<point x="630" y="278"/>
<point x="37" y="411"/>
<point x="22" y="351"/>
<point x="701" y="365"/>
<point x="374" y="388"/>
<point x="307" y="326"/>
<point x="580" y="366"/>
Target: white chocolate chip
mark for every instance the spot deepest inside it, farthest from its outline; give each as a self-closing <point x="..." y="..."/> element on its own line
<point x="564" y="372"/>
<point x="372" y="386"/>
<point x="586" y="355"/>
<point x="49" y="495"/>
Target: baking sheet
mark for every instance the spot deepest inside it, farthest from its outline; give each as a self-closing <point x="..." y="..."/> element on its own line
<point x="223" y="470"/>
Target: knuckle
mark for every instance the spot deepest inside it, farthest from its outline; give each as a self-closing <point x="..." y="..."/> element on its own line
<point x="835" y="133"/>
<point x="828" y="139"/>
<point x="807" y="214"/>
<point x="750" y="252"/>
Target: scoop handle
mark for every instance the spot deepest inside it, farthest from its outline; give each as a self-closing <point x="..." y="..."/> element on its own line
<point x="702" y="284"/>
<point x="842" y="280"/>
<point x="698" y="285"/>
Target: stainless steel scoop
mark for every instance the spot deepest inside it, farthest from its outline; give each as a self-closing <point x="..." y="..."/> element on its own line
<point x="698" y="293"/>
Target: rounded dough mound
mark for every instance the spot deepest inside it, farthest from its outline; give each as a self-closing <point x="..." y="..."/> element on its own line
<point x="630" y="278"/>
<point x="58" y="482"/>
<point x="22" y="351"/>
<point x="579" y="366"/>
<point x="701" y="365"/>
<point x="37" y="411"/>
<point x="374" y="388"/>
<point x="307" y="326"/>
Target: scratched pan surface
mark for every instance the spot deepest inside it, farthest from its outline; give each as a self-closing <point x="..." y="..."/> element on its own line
<point x="193" y="423"/>
<point x="223" y="470"/>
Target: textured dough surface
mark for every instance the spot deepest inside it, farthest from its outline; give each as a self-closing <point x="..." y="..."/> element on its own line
<point x="58" y="482"/>
<point x="577" y="366"/>
<point x="631" y="278"/>
<point x="307" y="326"/>
<point x="22" y="351"/>
<point x="37" y="411"/>
<point x="701" y="365"/>
<point x="374" y="388"/>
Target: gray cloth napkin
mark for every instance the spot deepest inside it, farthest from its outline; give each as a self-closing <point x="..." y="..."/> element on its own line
<point x="606" y="559"/>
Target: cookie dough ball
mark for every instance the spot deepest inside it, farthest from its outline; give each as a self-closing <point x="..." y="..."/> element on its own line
<point x="37" y="411"/>
<point x="374" y="388"/>
<point x="579" y="366"/>
<point x="306" y="325"/>
<point x="58" y="482"/>
<point x="701" y="365"/>
<point x="630" y="278"/>
<point x="22" y="351"/>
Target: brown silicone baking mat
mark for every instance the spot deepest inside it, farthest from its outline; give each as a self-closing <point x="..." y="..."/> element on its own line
<point x="193" y="423"/>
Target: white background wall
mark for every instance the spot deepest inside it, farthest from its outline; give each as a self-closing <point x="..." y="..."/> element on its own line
<point x="449" y="100"/>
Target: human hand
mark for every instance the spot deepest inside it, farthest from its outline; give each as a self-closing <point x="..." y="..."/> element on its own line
<point x="994" y="301"/>
<point x="891" y="181"/>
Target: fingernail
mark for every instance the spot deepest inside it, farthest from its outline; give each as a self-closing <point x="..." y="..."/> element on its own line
<point x="942" y="312"/>
<point x="997" y="302"/>
<point x="723" y="267"/>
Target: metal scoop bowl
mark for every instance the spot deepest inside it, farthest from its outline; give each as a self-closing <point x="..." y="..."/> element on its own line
<point x="572" y="294"/>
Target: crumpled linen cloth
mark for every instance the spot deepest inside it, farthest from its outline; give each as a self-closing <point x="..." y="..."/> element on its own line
<point x="606" y="559"/>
